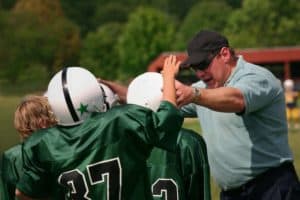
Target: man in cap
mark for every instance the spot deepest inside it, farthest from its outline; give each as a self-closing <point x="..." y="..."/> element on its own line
<point x="241" y="109"/>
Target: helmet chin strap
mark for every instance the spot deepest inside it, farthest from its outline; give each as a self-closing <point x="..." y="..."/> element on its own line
<point x="67" y="95"/>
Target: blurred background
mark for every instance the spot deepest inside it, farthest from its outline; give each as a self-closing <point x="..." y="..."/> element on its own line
<point x="118" y="39"/>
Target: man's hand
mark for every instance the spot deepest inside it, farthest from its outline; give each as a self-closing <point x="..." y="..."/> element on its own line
<point x="117" y="88"/>
<point x="170" y="69"/>
<point x="184" y="94"/>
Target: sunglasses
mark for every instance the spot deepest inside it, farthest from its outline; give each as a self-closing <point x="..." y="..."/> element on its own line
<point x="205" y="63"/>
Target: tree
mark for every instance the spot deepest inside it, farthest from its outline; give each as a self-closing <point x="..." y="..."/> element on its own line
<point x="265" y="24"/>
<point x="35" y="35"/>
<point x="20" y="47"/>
<point x="45" y="10"/>
<point x="147" y="33"/>
<point x="81" y="13"/>
<point x="111" y="12"/>
<point x="7" y="4"/>
<point x="204" y="15"/>
<point x="175" y="8"/>
<point x="99" y="53"/>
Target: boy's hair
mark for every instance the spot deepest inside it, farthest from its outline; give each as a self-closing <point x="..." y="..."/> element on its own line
<point x="32" y="114"/>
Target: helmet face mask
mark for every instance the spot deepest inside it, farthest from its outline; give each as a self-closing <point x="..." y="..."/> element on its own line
<point x="146" y="90"/>
<point x="74" y="94"/>
<point x="110" y="98"/>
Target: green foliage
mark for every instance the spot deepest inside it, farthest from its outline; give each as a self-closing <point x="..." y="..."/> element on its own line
<point x="67" y="45"/>
<point x="21" y="47"/>
<point x="30" y="41"/>
<point x="35" y="38"/>
<point x="7" y="4"/>
<point x="204" y="15"/>
<point x="99" y="53"/>
<point x="235" y="3"/>
<point x="42" y="33"/>
<point x="80" y="12"/>
<point x="265" y="24"/>
<point x="176" y="8"/>
<point x="111" y="12"/>
<point x="147" y="33"/>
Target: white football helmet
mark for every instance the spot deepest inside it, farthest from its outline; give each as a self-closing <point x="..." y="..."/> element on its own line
<point x="146" y="90"/>
<point x="73" y="94"/>
<point x="110" y="98"/>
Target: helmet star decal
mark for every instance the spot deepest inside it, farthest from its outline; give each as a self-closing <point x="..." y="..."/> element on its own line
<point x="83" y="108"/>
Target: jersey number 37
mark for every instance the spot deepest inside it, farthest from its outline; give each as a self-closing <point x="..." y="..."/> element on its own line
<point x="76" y="182"/>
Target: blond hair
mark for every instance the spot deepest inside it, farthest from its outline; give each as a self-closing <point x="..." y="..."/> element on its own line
<point x="32" y="114"/>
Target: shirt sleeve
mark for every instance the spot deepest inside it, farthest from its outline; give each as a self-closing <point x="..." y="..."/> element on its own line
<point x="258" y="90"/>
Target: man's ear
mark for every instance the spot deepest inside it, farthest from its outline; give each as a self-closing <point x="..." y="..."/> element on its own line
<point x="225" y="54"/>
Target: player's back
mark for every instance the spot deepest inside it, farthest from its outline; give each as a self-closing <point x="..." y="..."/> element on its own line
<point x="104" y="156"/>
<point x="183" y="174"/>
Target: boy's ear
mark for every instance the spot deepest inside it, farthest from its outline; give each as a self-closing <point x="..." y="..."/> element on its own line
<point x="42" y="123"/>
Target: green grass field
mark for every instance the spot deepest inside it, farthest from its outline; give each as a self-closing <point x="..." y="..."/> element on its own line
<point x="9" y="136"/>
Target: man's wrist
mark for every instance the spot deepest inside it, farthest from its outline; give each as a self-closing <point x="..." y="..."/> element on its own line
<point x="196" y="94"/>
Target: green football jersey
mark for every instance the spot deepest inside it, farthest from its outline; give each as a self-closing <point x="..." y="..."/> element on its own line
<point x="183" y="174"/>
<point x="11" y="170"/>
<point x="102" y="158"/>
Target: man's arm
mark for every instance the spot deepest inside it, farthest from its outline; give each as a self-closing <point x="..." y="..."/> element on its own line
<point x="117" y="88"/>
<point x="223" y="99"/>
<point x="170" y="68"/>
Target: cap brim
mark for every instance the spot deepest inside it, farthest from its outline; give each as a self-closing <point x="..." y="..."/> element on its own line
<point x="193" y="60"/>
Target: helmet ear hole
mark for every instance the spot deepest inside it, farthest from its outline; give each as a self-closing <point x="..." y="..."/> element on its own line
<point x="146" y="90"/>
<point x="74" y="94"/>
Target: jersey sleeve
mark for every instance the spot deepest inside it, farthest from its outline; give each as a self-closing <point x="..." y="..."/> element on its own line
<point x="189" y="110"/>
<point x="33" y="181"/>
<point x="194" y="162"/>
<point x="2" y="189"/>
<point x="159" y="128"/>
<point x="10" y="171"/>
<point x="6" y="187"/>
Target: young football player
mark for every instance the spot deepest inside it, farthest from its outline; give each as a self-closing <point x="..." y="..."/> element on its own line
<point x="33" y="113"/>
<point x="93" y="154"/>
<point x="180" y="174"/>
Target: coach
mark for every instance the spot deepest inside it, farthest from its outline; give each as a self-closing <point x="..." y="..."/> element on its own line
<point x="241" y="108"/>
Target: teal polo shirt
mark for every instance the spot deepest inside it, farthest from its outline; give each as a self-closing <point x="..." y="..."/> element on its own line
<point x="240" y="147"/>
